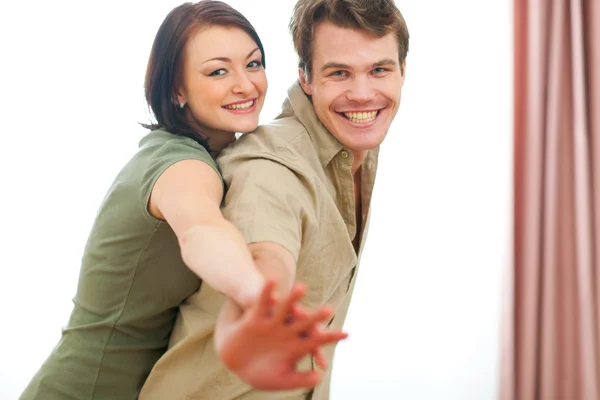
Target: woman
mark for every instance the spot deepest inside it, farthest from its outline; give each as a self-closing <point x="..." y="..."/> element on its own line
<point x="159" y="231"/>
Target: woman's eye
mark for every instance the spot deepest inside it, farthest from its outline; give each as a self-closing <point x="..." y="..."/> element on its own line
<point x="254" y="64"/>
<point x="218" y="72"/>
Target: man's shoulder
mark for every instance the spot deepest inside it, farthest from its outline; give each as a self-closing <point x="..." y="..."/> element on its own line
<point x="286" y="132"/>
<point x="284" y="138"/>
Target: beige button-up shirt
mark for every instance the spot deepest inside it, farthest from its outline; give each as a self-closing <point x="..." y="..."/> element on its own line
<point x="289" y="182"/>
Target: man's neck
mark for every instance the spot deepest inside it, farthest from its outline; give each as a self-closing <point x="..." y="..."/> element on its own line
<point x="359" y="158"/>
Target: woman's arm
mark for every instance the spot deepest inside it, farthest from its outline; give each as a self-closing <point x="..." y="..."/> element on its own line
<point x="188" y="196"/>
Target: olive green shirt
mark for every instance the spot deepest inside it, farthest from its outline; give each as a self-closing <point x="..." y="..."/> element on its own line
<point x="289" y="182"/>
<point x="131" y="282"/>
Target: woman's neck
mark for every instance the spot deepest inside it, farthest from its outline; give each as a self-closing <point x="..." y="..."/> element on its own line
<point x="216" y="139"/>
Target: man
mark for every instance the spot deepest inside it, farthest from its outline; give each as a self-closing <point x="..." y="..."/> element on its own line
<point x="299" y="190"/>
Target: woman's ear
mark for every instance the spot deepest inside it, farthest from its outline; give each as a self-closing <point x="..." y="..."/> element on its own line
<point x="182" y="97"/>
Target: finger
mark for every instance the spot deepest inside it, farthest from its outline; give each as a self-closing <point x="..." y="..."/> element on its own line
<point x="328" y="337"/>
<point x="296" y="314"/>
<point x="320" y="359"/>
<point x="265" y="303"/>
<point x="316" y="340"/>
<point x="297" y="380"/>
<point x="285" y="309"/>
<point x="311" y="321"/>
<point x="299" y="312"/>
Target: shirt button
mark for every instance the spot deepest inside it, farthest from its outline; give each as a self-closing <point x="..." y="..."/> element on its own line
<point x="344" y="154"/>
<point x="346" y="201"/>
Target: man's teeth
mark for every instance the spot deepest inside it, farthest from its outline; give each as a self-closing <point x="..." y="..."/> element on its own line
<point x="361" y="117"/>
<point x="240" y="106"/>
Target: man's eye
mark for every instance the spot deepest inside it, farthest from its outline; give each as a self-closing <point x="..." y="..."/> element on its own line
<point x="379" y="70"/>
<point x="338" y="73"/>
<point x="218" y="72"/>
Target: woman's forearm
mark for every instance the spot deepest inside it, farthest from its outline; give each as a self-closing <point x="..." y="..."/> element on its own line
<point x="218" y="254"/>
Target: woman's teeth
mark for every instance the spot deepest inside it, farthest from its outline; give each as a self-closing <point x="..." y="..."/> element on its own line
<point x="240" y="106"/>
<point x="361" y="117"/>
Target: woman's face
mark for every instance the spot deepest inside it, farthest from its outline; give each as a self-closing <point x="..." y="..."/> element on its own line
<point x="224" y="81"/>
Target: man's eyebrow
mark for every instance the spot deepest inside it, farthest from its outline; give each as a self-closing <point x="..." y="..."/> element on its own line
<point x="337" y="65"/>
<point x="385" y="61"/>
<point x="226" y="59"/>
<point x="333" y="64"/>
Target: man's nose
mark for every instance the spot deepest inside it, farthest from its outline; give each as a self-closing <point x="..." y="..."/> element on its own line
<point x="361" y="90"/>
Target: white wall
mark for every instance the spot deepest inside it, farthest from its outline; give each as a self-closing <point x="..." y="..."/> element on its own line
<point x="424" y="321"/>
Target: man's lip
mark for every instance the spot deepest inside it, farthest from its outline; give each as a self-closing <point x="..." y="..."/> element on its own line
<point x="361" y="111"/>
<point x="362" y="125"/>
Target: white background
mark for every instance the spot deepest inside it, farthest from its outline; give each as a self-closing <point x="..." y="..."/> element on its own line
<point x="425" y="318"/>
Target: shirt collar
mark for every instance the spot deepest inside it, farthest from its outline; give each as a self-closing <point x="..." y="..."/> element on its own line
<point x="298" y="105"/>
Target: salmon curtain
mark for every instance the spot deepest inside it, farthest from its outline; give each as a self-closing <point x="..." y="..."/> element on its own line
<point x="551" y="347"/>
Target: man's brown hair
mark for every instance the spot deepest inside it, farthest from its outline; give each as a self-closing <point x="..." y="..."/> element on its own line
<point x="377" y="17"/>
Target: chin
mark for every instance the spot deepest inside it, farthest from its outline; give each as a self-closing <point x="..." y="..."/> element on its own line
<point x="366" y="143"/>
<point x="245" y="127"/>
<point x="240" y="128"/>
<point x="365" y="147"/>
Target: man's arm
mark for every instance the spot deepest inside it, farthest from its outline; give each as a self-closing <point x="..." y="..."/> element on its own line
<point x="275" y="262"/>
<point x="263" y="345"/>
<point x="273" y="207"/>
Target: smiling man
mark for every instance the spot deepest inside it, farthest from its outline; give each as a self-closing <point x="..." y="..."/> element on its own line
<point x="299" y="188"/>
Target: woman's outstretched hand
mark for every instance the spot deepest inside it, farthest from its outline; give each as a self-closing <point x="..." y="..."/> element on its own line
<point x="263" y="344"/>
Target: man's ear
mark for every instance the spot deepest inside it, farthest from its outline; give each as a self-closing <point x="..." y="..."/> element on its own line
<point x="304" y="82"/>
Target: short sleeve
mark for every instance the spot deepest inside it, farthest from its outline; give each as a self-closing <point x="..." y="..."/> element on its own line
<point x="268" y="201"/>
<point x="162" y="155"/>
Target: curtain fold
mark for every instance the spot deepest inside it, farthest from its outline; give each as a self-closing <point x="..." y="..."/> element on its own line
<point x="551" y="342"/>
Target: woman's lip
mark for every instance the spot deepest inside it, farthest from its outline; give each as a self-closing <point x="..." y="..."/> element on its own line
<point x="241" y="102"/>
<point x="248" y="110"/>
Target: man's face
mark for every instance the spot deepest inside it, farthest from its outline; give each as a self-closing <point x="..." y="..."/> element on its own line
<point x="355" y="85"/>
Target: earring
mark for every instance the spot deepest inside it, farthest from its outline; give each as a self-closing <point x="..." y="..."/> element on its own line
<point x="181" y="105"/>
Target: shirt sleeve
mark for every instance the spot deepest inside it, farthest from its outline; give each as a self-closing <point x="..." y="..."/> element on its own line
<point x="268" y="201"/>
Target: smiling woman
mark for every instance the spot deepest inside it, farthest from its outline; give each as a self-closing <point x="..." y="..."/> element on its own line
<point x="224" y="93"/>
<point x="205" y="60"/>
